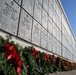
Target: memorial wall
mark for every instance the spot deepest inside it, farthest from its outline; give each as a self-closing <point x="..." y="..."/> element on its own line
<point x="39" y="22"/>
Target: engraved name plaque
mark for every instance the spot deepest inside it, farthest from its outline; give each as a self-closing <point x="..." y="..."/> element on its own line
<point x="9" y="14"/>
<point x="28" y="6"/>
<point x="49" y="42"/>
<point x="44" y="19"/>
<point x="25" y="26"/>
<point x="50" y="25"/>
<point x="44" y="38"/>
<point x="37" y="11"/>
<point x="36" y="33"/>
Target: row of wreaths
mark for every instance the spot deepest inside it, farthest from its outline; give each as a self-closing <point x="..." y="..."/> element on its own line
<point x="15" y="60"/>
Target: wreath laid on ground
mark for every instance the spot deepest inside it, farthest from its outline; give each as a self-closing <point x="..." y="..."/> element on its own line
<point x="15" y="60"/>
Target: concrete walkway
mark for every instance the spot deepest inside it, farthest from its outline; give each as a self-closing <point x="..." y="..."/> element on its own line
<point x="73" y="72"/>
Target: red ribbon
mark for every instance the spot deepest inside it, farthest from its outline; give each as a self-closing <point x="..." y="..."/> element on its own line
<point x="35" y="53"/>
<point x="11" y="54"/>
<point x="65" y="67"/>
<point x="47" y="57"/>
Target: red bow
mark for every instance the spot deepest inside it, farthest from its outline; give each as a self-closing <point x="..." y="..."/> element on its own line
<point x="35" y="53"/>
<point x="47" y="57"/>
<point x="12" y="54"/>
<point x="65" y="67"/>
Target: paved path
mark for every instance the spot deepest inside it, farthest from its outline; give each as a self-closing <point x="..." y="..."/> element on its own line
<point x="73" y="72"/>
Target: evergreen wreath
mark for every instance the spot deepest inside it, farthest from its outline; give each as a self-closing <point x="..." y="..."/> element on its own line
<point x="15" y="60"/>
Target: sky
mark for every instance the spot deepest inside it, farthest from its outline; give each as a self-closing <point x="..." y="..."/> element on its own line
<point x="69" y="7"/>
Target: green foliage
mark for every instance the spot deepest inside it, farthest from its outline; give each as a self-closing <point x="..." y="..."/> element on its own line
<point x="5" y="67"/>
<point x="43" y="64"/>
<point x="30" y="65"/>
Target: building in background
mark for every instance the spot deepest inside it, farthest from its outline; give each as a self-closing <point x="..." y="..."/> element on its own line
<point x="39" y="23"/>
